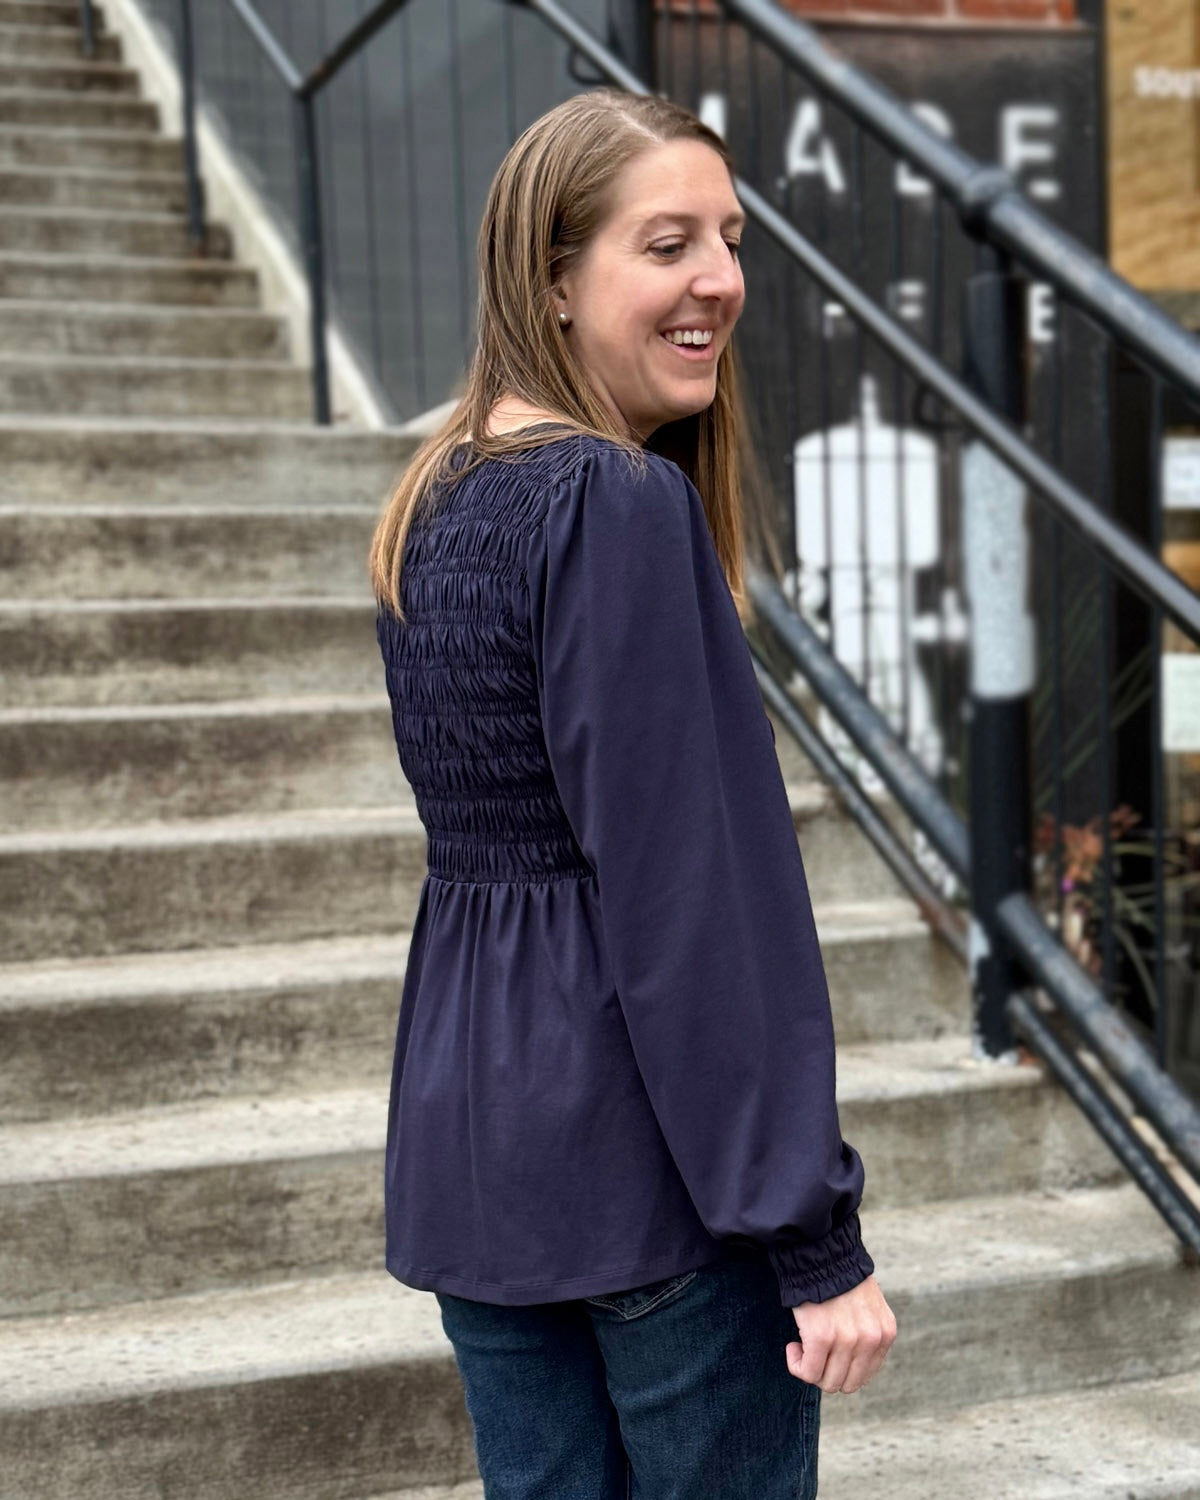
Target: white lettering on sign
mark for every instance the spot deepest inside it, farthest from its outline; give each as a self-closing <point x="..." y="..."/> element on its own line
<point x="1040" y="313"/>
<point x="1181" y="473"/>
<point x="907" y="300"/>
<point x="1166" y="83"/>
<point x="809" y="151"/>
<point x="1181" y="701"/>
<point x="1029" y="139"/>
<point x="714" y="113"/>
<point x="832" y="315"/>
<point x="908" y="183"/>
<point x="1021" y="146"/>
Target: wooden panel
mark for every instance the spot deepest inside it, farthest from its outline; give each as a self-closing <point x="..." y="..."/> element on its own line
<point x="1184" y="558"/>
<point x="1154" y="116"/>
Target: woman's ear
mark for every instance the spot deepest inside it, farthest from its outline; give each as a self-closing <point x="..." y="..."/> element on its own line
<point x="561" y="305"/>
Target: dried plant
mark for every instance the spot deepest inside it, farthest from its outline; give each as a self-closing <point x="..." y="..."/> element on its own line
<point x="1076" y="896"/>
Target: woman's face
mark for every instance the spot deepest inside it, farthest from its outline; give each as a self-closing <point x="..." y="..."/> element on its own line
<point x="663" y="262"/>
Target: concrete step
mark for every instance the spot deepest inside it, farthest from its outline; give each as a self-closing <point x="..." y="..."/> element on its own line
<point x="58" y="145"/>
<point x="108" y="232"/>
<point x="65" y="77"/>
<point x="470" y="1489"/>
<point x="207" y="1394"/>
<point x="155" y="192"/>
<point x="104" y="767"/>
<point x="86" y="1036"/>
<point x="121" y="1034"/>
<point x="83" y="278"/>
<point x="890" y="979"/>
<point x="200" y="1198"/>
<point x="102" y="552"/>
<point x="85" y="328"/>
<point x="242" y="1191"/>
<point x="1133" y="1440"/>
<point x="286" y="876"/>
<point x="216" y="883"/>
<point x="84" y="111"/>
<point x="850" y="869"/>
<point x="57" y="42"/>
<point x="51" y="14"/>
<point x="186" y="650"/>
<point x="145" y="387"/>
<point x="999" y="1296"/>
<point x="311" y="1391"/>
<point x="58" y="460"/>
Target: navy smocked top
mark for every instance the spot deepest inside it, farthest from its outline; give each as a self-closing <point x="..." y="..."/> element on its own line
<point x="615" y="1055"/>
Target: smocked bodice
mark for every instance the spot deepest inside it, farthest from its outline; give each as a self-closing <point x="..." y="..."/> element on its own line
<point x="614" y="1052"/>
<point x="461" y="679"/>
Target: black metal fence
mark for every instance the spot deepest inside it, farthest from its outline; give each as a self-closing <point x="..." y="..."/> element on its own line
<point x="967" y="422"/>
<point x="974" y="602"/>
<point x="409" y="128"/>
<point x="881" y="518"/>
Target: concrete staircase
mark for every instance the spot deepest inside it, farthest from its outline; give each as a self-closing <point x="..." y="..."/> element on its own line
<point x="208" y="866"/>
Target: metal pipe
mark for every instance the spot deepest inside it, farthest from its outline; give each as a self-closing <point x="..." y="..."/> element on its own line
<point x="309" y="193"/>
<point x="997" y="567"/>
<point x="354" y="40"/>
<point x="941" y="917"/>
<point x="630" y="28"/>
<point x="1170" y="1110"/>
<point x="87" y="20"/>
<point x="195" y="185"/>
<point x="1129" y="1148"/>
<point x="269" y="44"/>
<point x="866" y="726"/>
<point x="586" y="42"/>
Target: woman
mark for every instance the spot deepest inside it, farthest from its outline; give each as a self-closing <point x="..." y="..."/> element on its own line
<point x="613" y="1147"/>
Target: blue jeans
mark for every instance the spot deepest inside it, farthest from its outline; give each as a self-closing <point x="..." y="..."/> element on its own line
<point x="678" y="1390"/>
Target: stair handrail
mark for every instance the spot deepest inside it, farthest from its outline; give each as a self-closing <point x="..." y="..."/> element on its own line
<point x="304" y="88"/>
<point x="995" y="212"/>
<point x="87" y="23"/>
<point x="1164" y="1104"/>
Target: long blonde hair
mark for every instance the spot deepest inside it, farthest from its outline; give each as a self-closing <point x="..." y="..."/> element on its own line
<point x="546" y="201"/>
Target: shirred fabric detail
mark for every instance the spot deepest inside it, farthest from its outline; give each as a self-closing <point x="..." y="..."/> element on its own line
<point x="614" y="1050"/>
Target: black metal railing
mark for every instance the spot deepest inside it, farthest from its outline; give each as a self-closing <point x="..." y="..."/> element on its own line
<point x="1072" y="954"/>
<point x="304" y="88"/>
<point x="372" y="151"/>
<point x="913" y="403"/>
<point x="87" y="24"/>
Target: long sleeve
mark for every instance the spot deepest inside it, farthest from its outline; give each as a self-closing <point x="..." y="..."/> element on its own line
<point x="663" y="757"/>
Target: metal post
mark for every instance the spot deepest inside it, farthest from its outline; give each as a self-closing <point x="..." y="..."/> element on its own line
<point x="314" y="252"/>
<point x="631" y="36"/>
<point x="195" y="187"/>
<point x="87" y="17"/>
<point x="997" y="569"/>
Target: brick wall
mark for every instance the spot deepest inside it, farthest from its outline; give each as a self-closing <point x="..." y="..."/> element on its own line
<point x="1046" y="12"/>
<point x="1020" y="12"/>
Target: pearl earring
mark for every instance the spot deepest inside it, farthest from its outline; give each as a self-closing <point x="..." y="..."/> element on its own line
<point x="562" y="317"/>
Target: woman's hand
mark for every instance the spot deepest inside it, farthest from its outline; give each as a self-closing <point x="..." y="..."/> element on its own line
<point x="844" y="1341"/>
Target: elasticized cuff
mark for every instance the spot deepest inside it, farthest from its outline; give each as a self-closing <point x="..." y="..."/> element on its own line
<point x="816" y="1270"/>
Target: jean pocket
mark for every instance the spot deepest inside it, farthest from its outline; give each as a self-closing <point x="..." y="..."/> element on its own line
<point x="639" y="1300"/>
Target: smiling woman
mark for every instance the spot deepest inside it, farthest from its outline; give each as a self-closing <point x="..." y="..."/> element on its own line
<point x="652" y="302"/>
<point x="613" y="1146"/>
